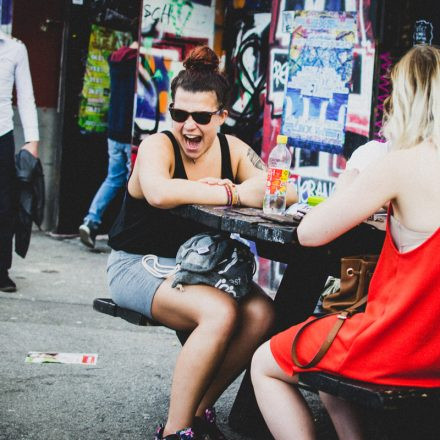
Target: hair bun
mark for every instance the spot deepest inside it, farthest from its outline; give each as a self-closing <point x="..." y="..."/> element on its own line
<point x="202" y="58"/>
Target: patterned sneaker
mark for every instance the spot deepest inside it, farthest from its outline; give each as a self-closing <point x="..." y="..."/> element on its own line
<point x="183" y="434"/>
<point x="206" y="427"/>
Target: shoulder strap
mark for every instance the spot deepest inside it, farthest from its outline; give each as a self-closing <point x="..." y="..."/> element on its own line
<point x="226" y="158"/>
<point x="342" y="316"/>
<point x="179" y="169"/>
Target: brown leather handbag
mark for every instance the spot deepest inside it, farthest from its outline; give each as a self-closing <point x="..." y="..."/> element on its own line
<point x="356" y="273"/>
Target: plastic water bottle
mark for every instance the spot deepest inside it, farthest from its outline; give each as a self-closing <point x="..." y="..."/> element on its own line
<point x="279" y="163"/>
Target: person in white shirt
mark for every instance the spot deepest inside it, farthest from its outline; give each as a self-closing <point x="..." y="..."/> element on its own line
<point x="14" y="69"/>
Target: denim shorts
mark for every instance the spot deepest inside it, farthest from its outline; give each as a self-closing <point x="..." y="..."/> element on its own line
<point x="131" y="285"/>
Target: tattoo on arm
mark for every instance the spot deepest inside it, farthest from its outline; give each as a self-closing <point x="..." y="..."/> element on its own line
<point x="256" y="160"/>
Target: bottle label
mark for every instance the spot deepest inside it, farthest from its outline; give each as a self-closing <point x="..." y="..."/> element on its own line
<point x="276" y="183"/>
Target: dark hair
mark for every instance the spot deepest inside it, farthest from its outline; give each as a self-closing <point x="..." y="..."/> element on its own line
<point x="202" y="74"/>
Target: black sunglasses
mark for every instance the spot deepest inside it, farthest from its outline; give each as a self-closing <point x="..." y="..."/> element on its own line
<point x="202" y="118"/>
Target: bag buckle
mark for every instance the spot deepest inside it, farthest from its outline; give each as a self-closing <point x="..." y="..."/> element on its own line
<point x="342" y="316"/>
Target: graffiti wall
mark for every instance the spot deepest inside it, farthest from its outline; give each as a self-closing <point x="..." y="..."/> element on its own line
<point x="169" y="30"/>
<point x="245" y="44"/>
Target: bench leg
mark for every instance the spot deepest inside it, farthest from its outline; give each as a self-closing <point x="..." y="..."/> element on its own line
<point x="245" y="416"/>
<point x="295" y="300"/>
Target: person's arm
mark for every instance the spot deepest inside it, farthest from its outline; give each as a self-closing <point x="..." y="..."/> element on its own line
<point x="352" y="203"/>
<point x="252" y="175"/>
<point x="26" y="101"/>
<point x="153" y="166"/>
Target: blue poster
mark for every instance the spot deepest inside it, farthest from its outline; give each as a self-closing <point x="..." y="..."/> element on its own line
<point x="318" y="83"/>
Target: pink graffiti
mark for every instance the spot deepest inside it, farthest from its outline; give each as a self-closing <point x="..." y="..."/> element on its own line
<point x="384" y="89"/>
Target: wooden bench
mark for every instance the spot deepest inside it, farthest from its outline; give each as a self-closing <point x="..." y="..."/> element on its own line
<point x="395" y="412"/>
<point x="107" y="306"/>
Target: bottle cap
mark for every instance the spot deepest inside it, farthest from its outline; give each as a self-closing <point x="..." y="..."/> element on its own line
<point x="281" y="139"/>
<point x="315" y="200"/>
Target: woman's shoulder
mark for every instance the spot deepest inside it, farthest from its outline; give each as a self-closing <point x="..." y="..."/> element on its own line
<point x="366" y="154"/>
<point x="157" y="142"/>
<point x="236" y="145"/>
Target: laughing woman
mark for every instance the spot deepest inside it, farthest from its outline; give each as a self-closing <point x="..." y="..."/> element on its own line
<point x="192" y="163"/>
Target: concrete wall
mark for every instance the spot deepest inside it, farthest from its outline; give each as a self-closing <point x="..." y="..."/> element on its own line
<point x="50" y="148"/>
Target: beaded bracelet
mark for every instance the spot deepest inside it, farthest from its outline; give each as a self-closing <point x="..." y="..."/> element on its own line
<point x="235" y="196"/>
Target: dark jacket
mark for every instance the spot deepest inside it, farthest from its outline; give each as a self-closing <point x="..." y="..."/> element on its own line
<point x="30" y="186"/>
<point x="122" y="80"/>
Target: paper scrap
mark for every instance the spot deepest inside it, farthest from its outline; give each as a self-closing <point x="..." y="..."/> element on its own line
<point x="37" y="357"/>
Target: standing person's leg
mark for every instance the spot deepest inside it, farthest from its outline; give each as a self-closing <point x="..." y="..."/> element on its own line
<point x="117" y="174"/>
<point x="283" y="407"/>
<point x="7" y="186"/>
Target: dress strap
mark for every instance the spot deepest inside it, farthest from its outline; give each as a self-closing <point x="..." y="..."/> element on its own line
<point x="179" y="169"/>
<point x="226" y="158"/>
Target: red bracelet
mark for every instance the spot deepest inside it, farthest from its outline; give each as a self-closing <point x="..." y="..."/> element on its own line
<point x="229" y="194"/>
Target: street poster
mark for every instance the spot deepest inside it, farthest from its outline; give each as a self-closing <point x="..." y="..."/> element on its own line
<point x="95" y="95"/>
<point x="318" y="83"/>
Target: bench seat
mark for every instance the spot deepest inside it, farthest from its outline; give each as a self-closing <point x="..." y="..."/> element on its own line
<point x="390" y="412"/>
<point x="107" y="306"/>
<point x="376" y="397"/>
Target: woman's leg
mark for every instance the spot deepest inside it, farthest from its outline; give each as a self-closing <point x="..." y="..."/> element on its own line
<point x="256" y="316"/>
<point x="345" y="417"/>
<point x="283" y="407"/>
<point x="212" y="316"/>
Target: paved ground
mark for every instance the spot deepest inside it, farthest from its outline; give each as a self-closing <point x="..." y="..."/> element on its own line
<point x="124" y="396"/>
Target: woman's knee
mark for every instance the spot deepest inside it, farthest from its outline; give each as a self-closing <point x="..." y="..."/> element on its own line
<point x="259" y="314"/>
<point x="260" y="361"/>
<point x="220" y="316"/>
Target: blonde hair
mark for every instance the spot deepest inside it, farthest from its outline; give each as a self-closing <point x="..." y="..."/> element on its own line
<point x="412" y="113"/>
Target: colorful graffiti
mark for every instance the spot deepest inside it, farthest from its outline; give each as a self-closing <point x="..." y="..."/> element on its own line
<point x="384" y="90"/>
<point x="95" y="95"/>
<point x="169" y="30"/>
<point x="246" y="52"/>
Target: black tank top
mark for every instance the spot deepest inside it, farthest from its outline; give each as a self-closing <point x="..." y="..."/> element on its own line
<point x="143" y="229"/>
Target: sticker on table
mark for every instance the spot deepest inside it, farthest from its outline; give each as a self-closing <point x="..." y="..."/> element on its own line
<point x="37" y="357"/>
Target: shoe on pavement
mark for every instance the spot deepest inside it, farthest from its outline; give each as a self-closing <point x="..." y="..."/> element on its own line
<point x="184" y="434"/>
<point x="7" y="285"/>
<point x="87" y="233"/>
<point x="206" y="427"/>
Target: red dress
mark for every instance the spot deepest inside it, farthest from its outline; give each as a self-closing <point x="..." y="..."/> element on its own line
<point x="396" y="341"/>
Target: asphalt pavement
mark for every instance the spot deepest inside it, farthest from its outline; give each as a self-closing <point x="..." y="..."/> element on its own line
<point x="123" y="396"/>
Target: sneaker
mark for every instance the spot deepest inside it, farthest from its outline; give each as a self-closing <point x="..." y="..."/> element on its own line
<point x="183" y="434"/>
<point x="206" y="426"/>
<point x="7" y="285"/>
<point x="87" y="233"/>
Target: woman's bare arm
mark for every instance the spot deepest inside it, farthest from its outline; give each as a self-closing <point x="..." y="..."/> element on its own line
<point x="153" y="174"/>
<point x="352" y="203"/>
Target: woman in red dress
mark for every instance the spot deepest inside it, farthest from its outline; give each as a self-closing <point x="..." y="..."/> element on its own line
<point x="396" y="340"/>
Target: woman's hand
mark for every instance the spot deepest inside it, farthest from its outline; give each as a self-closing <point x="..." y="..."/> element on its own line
<point x="216" y="181"/>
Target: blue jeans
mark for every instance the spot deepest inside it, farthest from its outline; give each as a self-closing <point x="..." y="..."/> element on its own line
<point x="119" y="165"/>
